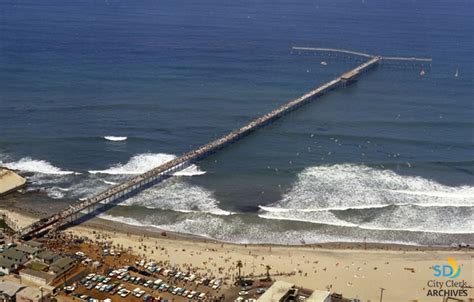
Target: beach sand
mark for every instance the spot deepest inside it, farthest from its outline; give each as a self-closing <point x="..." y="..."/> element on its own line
<point x="349" y="269"/>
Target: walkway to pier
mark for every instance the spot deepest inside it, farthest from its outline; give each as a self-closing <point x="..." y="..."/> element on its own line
<point x="143" y="181"/>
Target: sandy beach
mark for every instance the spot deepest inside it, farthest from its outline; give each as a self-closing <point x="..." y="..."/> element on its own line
<point x="349" y="269"/>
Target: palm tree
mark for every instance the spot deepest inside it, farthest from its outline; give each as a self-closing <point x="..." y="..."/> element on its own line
<point x="268" y="268"/>
<point x="239" y="266"/>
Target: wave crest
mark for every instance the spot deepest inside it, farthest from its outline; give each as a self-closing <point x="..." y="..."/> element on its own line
<point x="28" y="164"/>
<point x="177" y="196"/>
<point x="116" y="138"/>
<point x="142" y="163"/>
<point x="363" y="197"/>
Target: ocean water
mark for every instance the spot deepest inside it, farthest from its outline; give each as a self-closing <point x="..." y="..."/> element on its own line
<point x="92" y="92"/>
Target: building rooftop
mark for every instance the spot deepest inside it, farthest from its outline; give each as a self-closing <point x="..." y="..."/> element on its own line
<point x="10" y="288"/>
<point x="7" y="263"/>
<point x="33" y="243"/>
<point x="43" y="275"/>
<point x="276" y="291"/>
<point x="13" y="253"/>
<point x="47" y="255"/>
<point x="318" y="296"/>
<point x="61" y="264"/>
<point x="31" y="293"/>
<point x="38" y="266"/>
<point x="27" y="249"/>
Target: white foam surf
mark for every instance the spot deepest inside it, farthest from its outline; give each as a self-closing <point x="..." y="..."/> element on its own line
<point x="325" y="218"/>
<point x="109" y="182"/>
<point x="236" y="230"/>
<point x="352" y="186"/>
<point x="28" y="164"/>
<point x="280" y="209"/>
<point x="144" y="162"/>
<point x="402" y="203"/>
<point x="178" y="196"/>
<point x="116" y="138"/>
<point x="57" y="192"/>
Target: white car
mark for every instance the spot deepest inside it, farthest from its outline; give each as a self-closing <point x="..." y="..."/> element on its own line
<point x="216" y="285"/>
<point x="80" y="254"/>
<point x="140" y="293"/>
<point x="191" y="278"/>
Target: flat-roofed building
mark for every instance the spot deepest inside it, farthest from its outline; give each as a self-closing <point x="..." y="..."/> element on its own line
<point x="319" y="296"/>
<point x="12" y="254"/>
<point x="7" y="266"/>
<point x="39" y="278"/>
<point x="61" y="266"/>
<point x="34" y="243"/>
<point x="29" y="250"/>
<point x="8" y="290"/>
<point x="30" y="294"/>
<point x="282" y="291"/>
<point x="277" y="292"/>
<point x="47" y="257"/>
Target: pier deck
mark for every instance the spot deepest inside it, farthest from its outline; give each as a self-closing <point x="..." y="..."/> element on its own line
<point x="143" y="181"/>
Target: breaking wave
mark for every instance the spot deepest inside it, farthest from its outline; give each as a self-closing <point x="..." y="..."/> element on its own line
<point x="116" y="138"/>
<point x="28" y="164"/>
<point x="144" y="162"/>
<point x="367" y="198"/>
<point x="179" y="196"/>
<point x="353" y="186"/>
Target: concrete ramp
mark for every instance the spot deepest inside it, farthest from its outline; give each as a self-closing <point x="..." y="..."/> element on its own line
<point x="10" y="181"/>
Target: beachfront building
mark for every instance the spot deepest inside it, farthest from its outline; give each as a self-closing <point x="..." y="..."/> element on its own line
<point x="47" y="257"/>
<point x="34" y="243"/>
<point x="38" y="278"/>
<point x="282" y="291"/>
<point x="61" y="266"/>
<point x="31" y="251"/>
<point x="30" y="294"/>
<point x="16" y="256"/>
<point x="7" y="266"/>
<point x="8" y="290"/>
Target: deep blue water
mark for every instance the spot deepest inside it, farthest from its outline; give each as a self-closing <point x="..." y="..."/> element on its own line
<point x="390" y="158"/>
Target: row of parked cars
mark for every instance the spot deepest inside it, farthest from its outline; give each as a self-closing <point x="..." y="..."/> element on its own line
<point x="158" y="285"/>
<point x="151" y="268"/>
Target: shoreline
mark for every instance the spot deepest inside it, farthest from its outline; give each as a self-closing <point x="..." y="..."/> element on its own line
<point x="19" y="202"/>
<point x="345" y="268"/>
<point x="115" y="226"/>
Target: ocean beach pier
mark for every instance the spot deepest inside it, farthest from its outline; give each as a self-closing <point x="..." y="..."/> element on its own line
<point x="117" y="193"/>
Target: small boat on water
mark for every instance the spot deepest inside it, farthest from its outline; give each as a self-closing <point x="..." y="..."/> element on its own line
<point x="324" y="63"/>
<point x="422" y="72"/>
<point x="457" y="73"/>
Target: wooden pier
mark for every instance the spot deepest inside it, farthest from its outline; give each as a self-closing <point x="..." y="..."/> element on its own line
<point x="150" y="178"/>
<point x="363" y="54"/>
